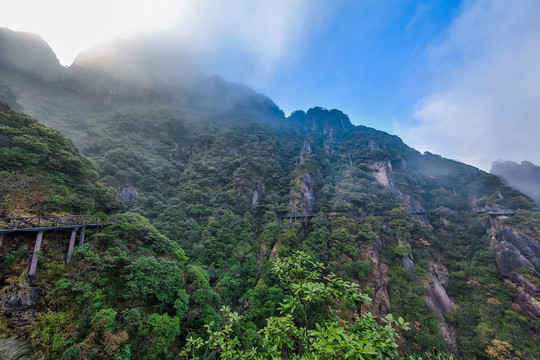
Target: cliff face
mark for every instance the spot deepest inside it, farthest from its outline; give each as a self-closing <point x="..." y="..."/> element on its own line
<point x="217" y="166"/>
<point x="517" y="257"/>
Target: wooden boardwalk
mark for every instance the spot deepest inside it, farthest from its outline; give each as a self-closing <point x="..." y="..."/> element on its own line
<point x="44" y="223"/>
<point x="40" y="224"/>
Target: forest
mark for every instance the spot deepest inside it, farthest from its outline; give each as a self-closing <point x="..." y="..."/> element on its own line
<point x="237" y="232"/>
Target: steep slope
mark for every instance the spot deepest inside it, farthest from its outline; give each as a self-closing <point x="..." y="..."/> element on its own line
<point x="27" y="53"/>
<point x="220" y="171"/>
<point x="42" y="172"/>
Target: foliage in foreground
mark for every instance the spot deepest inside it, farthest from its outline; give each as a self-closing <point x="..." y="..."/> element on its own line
<point x="319" y="319"/>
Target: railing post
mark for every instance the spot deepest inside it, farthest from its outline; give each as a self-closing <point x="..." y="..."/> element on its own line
<point x="71" y="244"/>
<point x="81" y="237"/>
<point x="37" y="246"/>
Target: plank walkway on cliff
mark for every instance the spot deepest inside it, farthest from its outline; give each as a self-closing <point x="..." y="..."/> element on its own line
<point x="44" y="223"/>
<point x="40" y="224"/>
<point x="385" y="212"/>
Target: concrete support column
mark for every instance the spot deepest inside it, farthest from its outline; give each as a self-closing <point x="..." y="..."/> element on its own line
<point x="81" y="236"/>
<point x="37" y="247"/>
<point x="1" y="239"/>
<point x="71" y="245"/>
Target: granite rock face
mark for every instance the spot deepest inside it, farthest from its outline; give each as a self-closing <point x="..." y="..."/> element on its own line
<point x="22" y="307"/>
<point x="516" y="255"/>
<point x="13" y="348"/>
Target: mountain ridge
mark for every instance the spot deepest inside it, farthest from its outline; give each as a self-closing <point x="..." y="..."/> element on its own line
<point x="217" y="166"/>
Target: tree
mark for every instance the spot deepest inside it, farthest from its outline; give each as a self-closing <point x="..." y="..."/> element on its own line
<point x="319" y="320"/>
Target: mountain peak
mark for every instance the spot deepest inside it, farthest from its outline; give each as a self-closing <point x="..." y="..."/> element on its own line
<point x="29" y="54"/>
<point x="320" y="119"/>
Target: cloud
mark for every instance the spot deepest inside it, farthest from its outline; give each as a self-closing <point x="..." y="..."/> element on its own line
<point x="71" y="26"/>
<point x="485" y="73"/>
<point x="243" y="40"/>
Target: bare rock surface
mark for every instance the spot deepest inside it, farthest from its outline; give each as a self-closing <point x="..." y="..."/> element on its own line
<point x="22" y="307"/>
<point x="528" y="247"/>
<point x="13" y="348"/>
<point x="528" y="303"/>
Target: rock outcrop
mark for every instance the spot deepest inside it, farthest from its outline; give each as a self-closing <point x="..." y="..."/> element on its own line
<point x="381" y="297"/>
<point x="529" y="248"/>
<point x="13" y="348"/>
<point x="22" y="306"/>
<point x="302" y="198"/>
<point x="319" y="119"/>
<point x="438" y="300"/>
<point x="515" y="255"/>
<point x="381" y="170"/>
<point x="258" y="193"/>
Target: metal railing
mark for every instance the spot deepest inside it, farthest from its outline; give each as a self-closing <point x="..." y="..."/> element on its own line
<point x="64" y="221"/>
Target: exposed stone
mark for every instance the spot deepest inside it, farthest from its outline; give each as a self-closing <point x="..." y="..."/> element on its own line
<point x="128" y="193"/>
<point x="528" y="247"/>
<point x="381" y="171"/>
<point x="528" y="303"/>
<point x="381" y="298"/>
<point x="307" y="194"/>
<point x="258" y="193"/>
<point x="439" y="301"/>
<point x="320" y="119"/>
<point x="437" y="298"/>
<point x="301" y="195"/>
<point x="307" y="146"/>
<point x="408" y="263"/>
<point x="23" y="306"/>
<point x="14" y="348"/>
<point x="372" y="145"/>
<point x="329" y="143"/>
<point x="509" y="259"/>
<point x="418" y="213"/>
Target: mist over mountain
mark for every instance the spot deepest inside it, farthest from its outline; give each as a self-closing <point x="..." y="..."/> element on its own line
<point x="525" y="177"/>
<point x="221" y="186"/>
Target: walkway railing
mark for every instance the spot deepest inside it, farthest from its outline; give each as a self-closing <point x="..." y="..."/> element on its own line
<point x="40" y="224"/>
<point x="37" y="223"/>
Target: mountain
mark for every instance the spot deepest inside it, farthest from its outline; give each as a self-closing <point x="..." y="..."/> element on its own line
<point x="42" y="172"/>
<point x="28" y="54"/>
<point x="220" y="185"/>
<point x="525" y="177"/>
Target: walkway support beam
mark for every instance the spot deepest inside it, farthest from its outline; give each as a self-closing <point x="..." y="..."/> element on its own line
<point x="81" y="236"/>
<point x="37" y="247"/>
<point x="71" y="245"/>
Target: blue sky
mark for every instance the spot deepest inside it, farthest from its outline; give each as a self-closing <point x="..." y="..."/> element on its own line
<point x="456" y="78"/>
<point x="365" y="59"/>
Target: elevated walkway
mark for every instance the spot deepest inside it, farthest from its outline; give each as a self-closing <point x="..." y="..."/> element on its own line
<point x="40" y="224"/>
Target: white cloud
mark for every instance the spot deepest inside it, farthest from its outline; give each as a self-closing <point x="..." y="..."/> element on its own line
<point x="243" y="39"/>
<point x="71" y="26"/>
<point x="485" y="102"/>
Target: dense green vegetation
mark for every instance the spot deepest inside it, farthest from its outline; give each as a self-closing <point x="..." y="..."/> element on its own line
<point x="42" y="172"/>
<point x="233" y="209"/>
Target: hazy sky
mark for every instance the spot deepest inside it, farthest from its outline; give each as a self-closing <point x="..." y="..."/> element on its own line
<point x="457" y="78"/>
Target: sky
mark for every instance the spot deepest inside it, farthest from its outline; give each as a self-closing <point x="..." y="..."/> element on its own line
<point x="456" y="78"/>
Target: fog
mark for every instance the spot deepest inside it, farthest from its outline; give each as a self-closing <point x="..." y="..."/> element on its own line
<point x="240" y="40"/>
